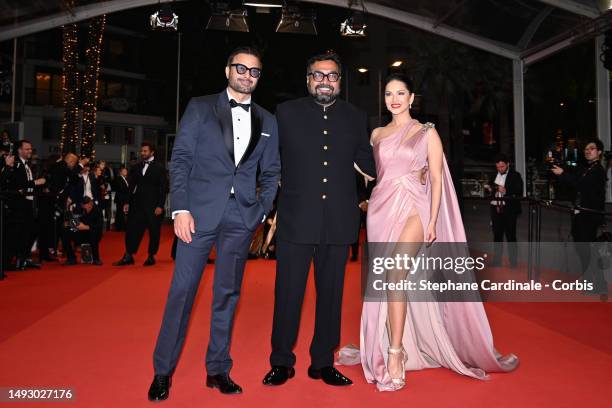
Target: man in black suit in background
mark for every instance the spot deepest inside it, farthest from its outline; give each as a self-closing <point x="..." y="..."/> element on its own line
<point x="21" y="179"/>
<point x="506" y="190"/>
<point x="122" y="197"/>
<point x="145" y="209"/>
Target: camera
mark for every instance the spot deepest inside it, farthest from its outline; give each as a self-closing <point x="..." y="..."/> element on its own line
<point x="73" y="220"/>
<point x="552" y="163"/>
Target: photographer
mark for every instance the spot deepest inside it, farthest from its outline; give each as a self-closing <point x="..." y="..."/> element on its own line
<point x="589" y="183"/>
<point x="83" y="226"/>
<point x="61" y="176"/>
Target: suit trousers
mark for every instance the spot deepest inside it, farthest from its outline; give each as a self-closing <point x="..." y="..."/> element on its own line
<point x="292" y="267"/>
<point x="232" y="240"/>
<point x="504" y="224"/>
<point x="140" y="219"/>
<point x="24" y="212"/>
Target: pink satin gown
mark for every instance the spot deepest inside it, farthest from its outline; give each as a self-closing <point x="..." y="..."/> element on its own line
<point x="453" y="335"/>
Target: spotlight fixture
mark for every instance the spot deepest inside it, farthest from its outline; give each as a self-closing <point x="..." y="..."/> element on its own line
<point x="397" y="63"/>
<point x="224" y="19"/>
<point x="362" y="70"/>
<point x="264" y="3"/>
<point x="355" y="24"/>
<point x="296" y="21"/>
<point x="164" y="19"/>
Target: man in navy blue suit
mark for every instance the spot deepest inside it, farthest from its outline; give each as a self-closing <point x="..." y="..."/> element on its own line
<point x="223" y="140"/>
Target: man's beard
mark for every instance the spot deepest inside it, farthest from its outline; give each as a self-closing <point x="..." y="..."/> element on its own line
<point x="324" y="99"/>
<point x="238" y="87"/>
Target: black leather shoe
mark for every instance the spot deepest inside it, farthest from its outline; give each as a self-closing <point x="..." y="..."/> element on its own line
<point x="70" y="262"/>
<point x="278" y="375"/>
<point x="224" y="383"/>
<point x="150" y="261"/>
<point x="97" y="262"/>
<point x="329" y="375"/>
<point x="160" y="388"/>
<point x="126" y="260"/>
<point x="29" y="264"/>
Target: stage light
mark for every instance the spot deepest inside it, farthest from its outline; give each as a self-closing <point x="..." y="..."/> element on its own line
<point x="164" y="19"/>
<point x="224" y="19"/>
<point x="296" y="21"/>
<point x="604" y="5"/>
<point x="362" y="70"/>
<point x="397" y="64"/>
<point x="264" y="3"/>
<point x="355" y="24"/>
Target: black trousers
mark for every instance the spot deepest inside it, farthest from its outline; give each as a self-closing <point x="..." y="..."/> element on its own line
<point x="504" y="224"/>
<point x="90" y="237"/>
<point x="120" y="218"/>
<point x="292" y="266"/>
<point x="139" y="220"/>
<point x="24" y="233"/>
<point x="584" y="230"/>
<point x="46" y="225"/>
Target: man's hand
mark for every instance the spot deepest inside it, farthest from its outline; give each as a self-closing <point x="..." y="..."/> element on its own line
<point x="184" y="226"/>
<point x="363" y="206"/>
<point x="83" y="227"/>
<point x="501" y="189"/>
<point x="126" y="208"/>
<point x="40" y="181"/>
<point x="557" y="170"/>
<point x="159" y="211"/>
<point x="84" y="161"/>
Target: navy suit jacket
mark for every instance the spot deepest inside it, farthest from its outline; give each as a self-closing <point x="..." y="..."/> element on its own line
<point x="202" y="170"/>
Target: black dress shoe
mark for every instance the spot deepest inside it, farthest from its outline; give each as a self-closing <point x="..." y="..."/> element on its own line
<point x="70" y="262"/>
<point x="29" y="264"/>
<point x="126" y="260"/>
<point x="224" y="383"/>
<point x="160" y="388"/>
<point x="150" y="261"/>
<point x="329" y="375"/>
<point x="278" y="375"/>
<point x="97" y="262"/>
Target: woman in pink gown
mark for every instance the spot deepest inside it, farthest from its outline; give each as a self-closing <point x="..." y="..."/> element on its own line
<point x="414" y="201"/>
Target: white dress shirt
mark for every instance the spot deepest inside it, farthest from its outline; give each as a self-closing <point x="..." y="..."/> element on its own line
<point x="500" y="180"/>
<point x="87" y="186"/>
<point x="146" y="165"/>
<point x="30" y="190"/>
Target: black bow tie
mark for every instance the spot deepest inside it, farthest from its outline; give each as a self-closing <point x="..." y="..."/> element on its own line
<point x="245" y="106"/>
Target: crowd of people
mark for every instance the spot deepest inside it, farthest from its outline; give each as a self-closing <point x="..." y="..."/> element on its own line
<point x="67" y="200"/>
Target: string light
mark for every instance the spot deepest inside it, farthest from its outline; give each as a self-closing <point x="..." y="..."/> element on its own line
<point x="70" y="85"/>
<point x="90" y="85"/>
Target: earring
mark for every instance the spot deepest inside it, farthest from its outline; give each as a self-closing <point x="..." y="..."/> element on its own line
<point x="409" y="106"/>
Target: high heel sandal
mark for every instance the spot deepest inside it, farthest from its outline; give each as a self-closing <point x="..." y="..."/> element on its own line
<point x="399" y="382"/>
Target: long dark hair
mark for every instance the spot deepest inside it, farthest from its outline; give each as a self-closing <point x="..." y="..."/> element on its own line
<point x="401" y="78"/>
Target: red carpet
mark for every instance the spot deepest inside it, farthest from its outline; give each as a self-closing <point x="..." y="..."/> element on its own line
<point x="93" y="329"/>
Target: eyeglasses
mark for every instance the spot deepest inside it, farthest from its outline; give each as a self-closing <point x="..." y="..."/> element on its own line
<point x="318" y="76"/>
<point x="241" y="69"/>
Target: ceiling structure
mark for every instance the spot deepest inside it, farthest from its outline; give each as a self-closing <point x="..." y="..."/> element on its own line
<point x="517" y="29"/>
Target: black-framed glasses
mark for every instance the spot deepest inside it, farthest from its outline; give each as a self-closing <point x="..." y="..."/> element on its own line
<point x="241" y="69"/>
<point x="318" y="76"/>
